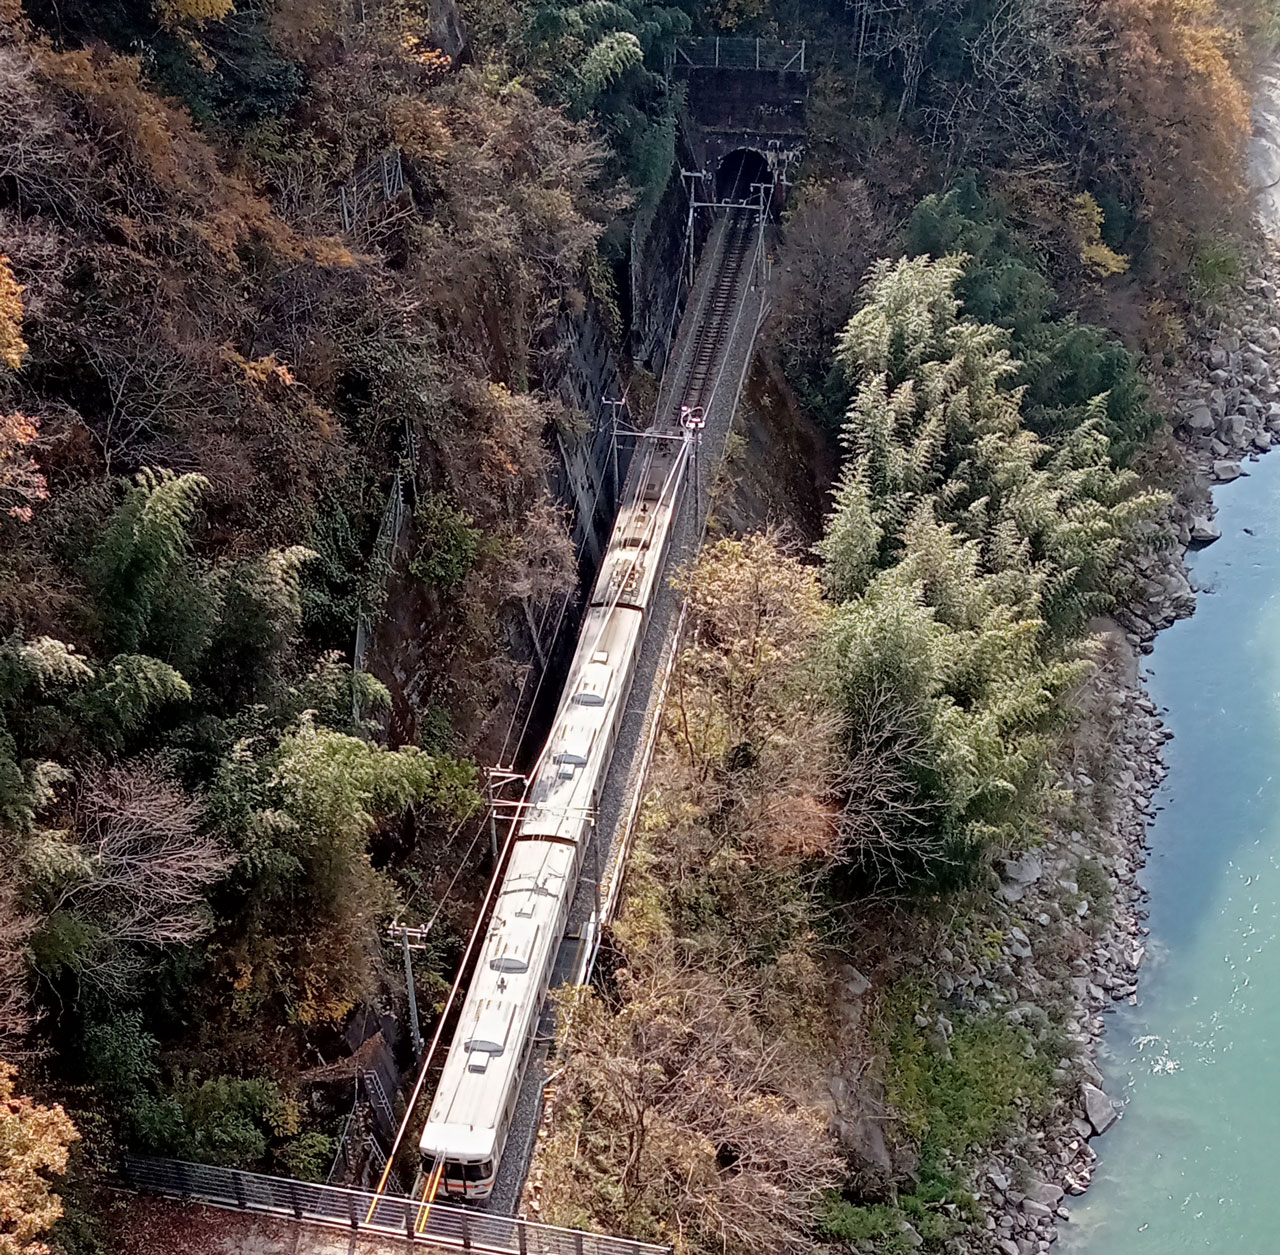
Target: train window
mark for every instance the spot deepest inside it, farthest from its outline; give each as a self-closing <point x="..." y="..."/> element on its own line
<point x="480" y="1171"/>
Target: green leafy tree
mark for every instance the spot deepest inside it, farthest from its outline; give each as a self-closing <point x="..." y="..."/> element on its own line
<point x="968" y="556"/>
<point x="259" y="619"/>
<point x="602" y="59"/>
<point x="301" y="814"/>
<point x="1065" y="365"/>
<point x="142" y="554"/>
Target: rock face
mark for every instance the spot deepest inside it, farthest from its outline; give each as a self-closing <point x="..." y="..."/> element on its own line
<point x="1224" y="471"/>
<point x="1098" y="1108"/>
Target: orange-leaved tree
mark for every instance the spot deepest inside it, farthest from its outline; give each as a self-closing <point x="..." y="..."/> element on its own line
<point x="12" y="345"/>
<point x="34" y="1141"/>
<point x="20" y="480"/>
<point x="1170" y="78"/>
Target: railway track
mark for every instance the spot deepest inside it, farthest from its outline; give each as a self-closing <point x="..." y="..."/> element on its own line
<point x="721" y="306"/>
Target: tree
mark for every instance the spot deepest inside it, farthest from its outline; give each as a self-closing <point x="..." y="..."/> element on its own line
<point x="141" y="552"/>
<point x="683" y="1121"/>
<point x="12" y="346"/>
<point x="132" y="878"/>
<point x="833" y="234"/>
<point x="934" y="416"/>
<point x="755" y="616"/>
<point x="34" y="1141"/>
<point x="1065" y="364"/>
<point x="15" y="995"/>
<point x="593" y="57"/>
<point x="21" y="483"/>
<point x="1170" y="83"/>
<point x="968" y="557"/>
<point x="301" y="815"/>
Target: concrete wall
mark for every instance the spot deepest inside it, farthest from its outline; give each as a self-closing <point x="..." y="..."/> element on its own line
<point x="660" y="269"/>
<point x="586" y="375"/>
<point x="763" y="110"/>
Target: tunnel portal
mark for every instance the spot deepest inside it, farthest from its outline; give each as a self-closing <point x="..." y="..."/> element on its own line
<point x="740" y="173"/>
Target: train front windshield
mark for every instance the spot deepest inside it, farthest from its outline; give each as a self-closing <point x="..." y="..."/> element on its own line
<point x="464" y="1176"/>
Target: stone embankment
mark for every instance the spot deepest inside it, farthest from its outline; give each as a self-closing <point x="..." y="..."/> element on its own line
<point x="1069" y="934"/>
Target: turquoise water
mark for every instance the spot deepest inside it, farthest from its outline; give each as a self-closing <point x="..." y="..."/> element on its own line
<point x="1194" y="1165"/>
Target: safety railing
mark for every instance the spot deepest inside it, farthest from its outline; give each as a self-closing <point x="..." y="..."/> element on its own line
<point x="438" y="1224"/>
<point x="733" y="53"/>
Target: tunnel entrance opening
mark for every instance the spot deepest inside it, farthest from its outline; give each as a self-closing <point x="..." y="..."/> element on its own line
<point x="740" y="174"/>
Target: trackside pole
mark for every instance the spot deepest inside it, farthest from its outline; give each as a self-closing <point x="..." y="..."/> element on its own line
<point x="414" y="1027"/>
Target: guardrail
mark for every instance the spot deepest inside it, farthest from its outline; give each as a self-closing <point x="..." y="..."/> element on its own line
<point x="438" y="1224"/>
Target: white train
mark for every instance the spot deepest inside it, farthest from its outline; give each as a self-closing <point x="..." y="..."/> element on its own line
<point x="471" y="1114"/>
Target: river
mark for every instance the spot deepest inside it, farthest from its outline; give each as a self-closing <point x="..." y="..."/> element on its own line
<point x="1192" y="1165"/>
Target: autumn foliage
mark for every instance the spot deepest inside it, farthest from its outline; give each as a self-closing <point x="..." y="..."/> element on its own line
<point x="1170" y="97"/>
<point x="34" y="1141"/>
<point x="227" y="346"/>
<point x="12" y="345"/>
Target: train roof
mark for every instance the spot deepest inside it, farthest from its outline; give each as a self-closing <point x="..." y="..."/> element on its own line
<point x="504" y="998"/>
<point x="532" y="903"/>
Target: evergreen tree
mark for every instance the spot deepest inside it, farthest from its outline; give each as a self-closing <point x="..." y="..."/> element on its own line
<point x="968" y="556"/>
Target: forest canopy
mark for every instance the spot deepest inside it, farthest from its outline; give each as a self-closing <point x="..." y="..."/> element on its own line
<point x="289" y="294"/>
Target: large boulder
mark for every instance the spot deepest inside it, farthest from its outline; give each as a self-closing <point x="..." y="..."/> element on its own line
<point x="1199" y="419"/>
<point x="1204" y="531"/>
<point x="1045" y="1192"/>
<point x="1099" y="1110"/>
<point x="1225" y="471"/>
<point x="1025" y="870"/>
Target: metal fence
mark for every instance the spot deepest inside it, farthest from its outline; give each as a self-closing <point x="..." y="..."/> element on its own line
<point x="740" y="54"/>
<point x="382" y="179"/>
<point x="436" y="1225"/>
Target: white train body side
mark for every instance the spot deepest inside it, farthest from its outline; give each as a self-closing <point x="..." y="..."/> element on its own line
<point x="471" y="1113"/>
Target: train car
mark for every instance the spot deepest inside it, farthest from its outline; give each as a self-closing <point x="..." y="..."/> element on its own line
<point x="472" y="1111"/>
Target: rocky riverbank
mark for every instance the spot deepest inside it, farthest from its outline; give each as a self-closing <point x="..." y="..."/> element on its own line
<point x="1069" y="915"/>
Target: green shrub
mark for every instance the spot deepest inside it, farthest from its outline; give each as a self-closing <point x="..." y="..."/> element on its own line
<point x="956" y="1101"/>
<point x="308" y="1156"/>
<point x="885" y="1225"/>
<point x="1216" y="266"/>
<point x="1065" y="363"/>
<point x="448" y="543"/>
<point x="120" y="1058"/>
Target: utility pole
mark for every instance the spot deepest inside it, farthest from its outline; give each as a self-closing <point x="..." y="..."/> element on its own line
<point x="693" y="418"/>
<point x="493" y="819"/>
<point x="691" y="179"/>
<point x="497" y="779"/>
<point x="415" y="1028"/>
<point x="614" y="408"/>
